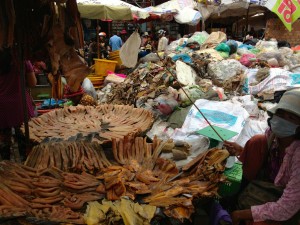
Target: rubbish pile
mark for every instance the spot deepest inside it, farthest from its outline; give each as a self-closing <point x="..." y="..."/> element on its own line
<point x="210" y="67"/>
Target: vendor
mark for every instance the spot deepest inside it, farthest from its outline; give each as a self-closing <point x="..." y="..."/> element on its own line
<point x="79" y="97"/>
<point x="86" y="95"/>
<point x="274" y="158"/>
<point x="163" y="41"/>
<point x="104" y="46"/>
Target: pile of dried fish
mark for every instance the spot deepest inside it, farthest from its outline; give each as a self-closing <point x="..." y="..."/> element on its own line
<point x="147" y="80"/>
<point x="144" y="173"/>
<point x="68" y="156"/>
<point x="48" y="194"/>
<point x="137" y="173"/>
<point x="101" y="123"/>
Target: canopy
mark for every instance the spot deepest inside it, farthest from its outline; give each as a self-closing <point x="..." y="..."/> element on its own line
<point x="287" y="10"/>
<point x="181" y="10"/>
<point x="236" y="9"/>
<point x="110" y="9"/>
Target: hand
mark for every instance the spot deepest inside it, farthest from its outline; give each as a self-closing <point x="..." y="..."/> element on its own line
<point x="233" y="148"/>
<point x="239" y="215"/>
<point x="235" y="218"/>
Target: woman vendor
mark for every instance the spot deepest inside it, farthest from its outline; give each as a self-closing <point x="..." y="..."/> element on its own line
<point x="271" y="168"/>
<point x="11" y="104"/>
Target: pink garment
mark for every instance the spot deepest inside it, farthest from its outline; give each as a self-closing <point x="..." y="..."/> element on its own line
<point x="289" y="177"/>
<point x="11" y="106"/>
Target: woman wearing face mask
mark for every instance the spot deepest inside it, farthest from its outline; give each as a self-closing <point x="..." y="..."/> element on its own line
<point x="271" y="168"/>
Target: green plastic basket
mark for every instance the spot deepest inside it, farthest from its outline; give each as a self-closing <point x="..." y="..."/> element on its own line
<point x="234" y="178"/>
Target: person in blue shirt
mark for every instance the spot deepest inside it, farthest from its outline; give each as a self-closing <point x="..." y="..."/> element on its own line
<point x="115" y="42"/>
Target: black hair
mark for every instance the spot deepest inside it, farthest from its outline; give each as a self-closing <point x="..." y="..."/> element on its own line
<point x="5" y="60"/>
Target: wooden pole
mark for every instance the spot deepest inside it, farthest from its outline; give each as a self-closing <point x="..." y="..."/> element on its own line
<point x="97" y="36"/>
<point x="247" y="19"/>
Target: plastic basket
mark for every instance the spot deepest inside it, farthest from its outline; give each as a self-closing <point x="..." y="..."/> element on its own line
<point x="104" y="65"/>
<point x="115" y="55"/>
<point x="234" y="178"/>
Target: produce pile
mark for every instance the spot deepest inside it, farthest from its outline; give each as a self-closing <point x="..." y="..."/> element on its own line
<point x="101" y="123"/>
<point x="137" y="172"/>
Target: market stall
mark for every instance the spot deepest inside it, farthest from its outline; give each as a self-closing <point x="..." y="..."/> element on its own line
<point x="152" y="147"/>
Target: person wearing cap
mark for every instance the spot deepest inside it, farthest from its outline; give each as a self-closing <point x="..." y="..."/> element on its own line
<point x="274" y="158"/>
<point x="144" y="39"/>
<point x="104" y="47"/>
<point x="163" y="41"/>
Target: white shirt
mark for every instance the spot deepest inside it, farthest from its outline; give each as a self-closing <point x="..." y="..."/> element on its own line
<point x="162" y="44"/>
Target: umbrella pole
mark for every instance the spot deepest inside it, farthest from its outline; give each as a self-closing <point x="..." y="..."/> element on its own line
<point x="97" y="36"/>
<point x="23" y="90"/>
<point x="247" y="19"/>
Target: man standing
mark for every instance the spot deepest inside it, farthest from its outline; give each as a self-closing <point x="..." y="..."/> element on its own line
<point x="163" y="41"/>
<point x="115" y="42"/>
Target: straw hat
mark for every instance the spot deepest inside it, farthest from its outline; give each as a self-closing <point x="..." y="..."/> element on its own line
<point x="290" y="102"/>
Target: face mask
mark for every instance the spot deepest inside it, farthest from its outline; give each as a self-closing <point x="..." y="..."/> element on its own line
<point x="282" y="128"/>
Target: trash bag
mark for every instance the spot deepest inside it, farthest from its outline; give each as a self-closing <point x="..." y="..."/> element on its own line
<point x="184" y="57"/>
<point x="247" y="59"/>
<point x="199" y="37"/>
<point x="223" y="48"/>
<point x="188" y="16"/>
<point x="129" y="51"/>
<point x="214" y="39"/>
<point x="233" y="45"/>
<point x="267" y="45"/>
<point x="223" y="70"/>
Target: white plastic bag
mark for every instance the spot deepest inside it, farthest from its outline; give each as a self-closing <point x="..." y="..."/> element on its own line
<point x="188" y="16"/>
<point x="129" y="51"/>
<point x="278" y="80"/>
<point x="222" y="114"/>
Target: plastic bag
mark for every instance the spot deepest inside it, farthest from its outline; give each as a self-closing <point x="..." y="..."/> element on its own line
<point x="222" y="114"/>
<point x="247" y="59"/>
<point x="223" y="48"/>
<point x="278" y="80"/>
<point x="214" y="39"/>
<point x="129" y="51"/>
<point x="223" y="70"/>
<point x="199" y="37"/>
<point x="233" y="45"/>
<point x="267" y="45"/>
<point x="186" y="75"/>
<point x="188" y="16"/>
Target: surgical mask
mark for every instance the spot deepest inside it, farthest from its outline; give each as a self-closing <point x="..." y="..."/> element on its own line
<point x="282" y="128"/>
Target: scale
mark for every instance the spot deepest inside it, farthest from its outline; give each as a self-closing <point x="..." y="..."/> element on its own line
<point x="224" y="134"/>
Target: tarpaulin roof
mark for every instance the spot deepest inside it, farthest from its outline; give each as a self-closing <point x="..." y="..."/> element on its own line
<point x="110" y="9"/>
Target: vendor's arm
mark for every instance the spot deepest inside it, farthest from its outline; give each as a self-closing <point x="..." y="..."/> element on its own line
<point x="240" y="215"/>
<point x="233" y="148"/>
<point x="30" y="75"/>
<point x="289" y="203"/>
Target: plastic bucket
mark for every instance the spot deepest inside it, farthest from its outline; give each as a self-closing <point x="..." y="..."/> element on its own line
<point x="104" y="65"/>
<point x="115" y="55"/>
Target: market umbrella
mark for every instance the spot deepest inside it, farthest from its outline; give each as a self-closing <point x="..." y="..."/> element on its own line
<point x="109" y="9"/>
<point x="181" y="10"/>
